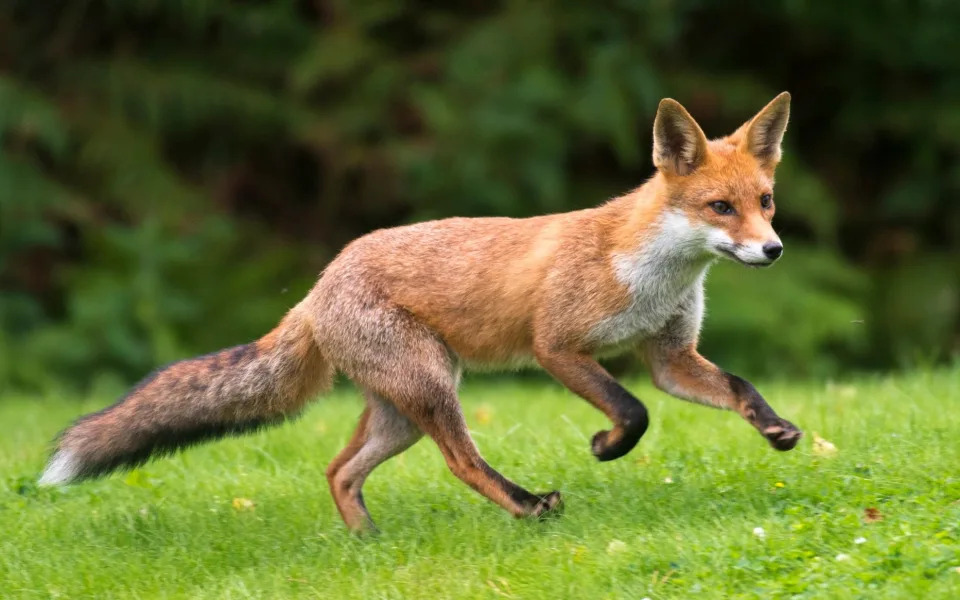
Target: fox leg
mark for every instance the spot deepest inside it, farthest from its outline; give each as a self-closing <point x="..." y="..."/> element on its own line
<point x="585" y="377"/>
<point x="684" y="373"/>
<point x="381" y="434"/>
<point x="413" y="370"/>
<point x="444" y="422"/>
<point x="433" y="406"/>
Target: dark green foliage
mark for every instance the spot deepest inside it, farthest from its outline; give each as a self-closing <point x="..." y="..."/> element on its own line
<point x="174" y="174"/>
<point x="806" y="316"/>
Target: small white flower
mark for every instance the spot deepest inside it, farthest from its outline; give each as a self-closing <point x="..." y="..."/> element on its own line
<point x="860" y="540"/>
<point x="842" y="557"/>
<point x="616" y="546"/>
<point x="759" y="532"/>
<point x="668" y="479"/>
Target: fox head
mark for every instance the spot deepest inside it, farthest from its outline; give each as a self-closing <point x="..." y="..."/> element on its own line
<point x="723" y="187"/>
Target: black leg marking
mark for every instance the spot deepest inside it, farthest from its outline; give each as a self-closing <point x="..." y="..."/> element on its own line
<point x="782" y="434"/>
<point x="631" y="422"/>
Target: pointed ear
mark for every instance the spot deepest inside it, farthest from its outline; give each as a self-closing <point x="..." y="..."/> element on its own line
<point x="761" y="136"/>
<point x="679" y="146"/>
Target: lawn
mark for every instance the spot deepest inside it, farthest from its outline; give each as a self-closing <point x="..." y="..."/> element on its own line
<point x="702" y="508"/>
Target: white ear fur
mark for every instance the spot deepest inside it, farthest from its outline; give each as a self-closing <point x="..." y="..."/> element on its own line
<point x="679" y="146"/>
<point x="763" y="134"/>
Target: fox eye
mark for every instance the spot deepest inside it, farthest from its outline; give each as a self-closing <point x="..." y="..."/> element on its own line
<point x="766" y="200"/>
<point x="722" y="207"/>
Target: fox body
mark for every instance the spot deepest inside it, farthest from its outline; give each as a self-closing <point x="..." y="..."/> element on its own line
<point x="402" y="311"/>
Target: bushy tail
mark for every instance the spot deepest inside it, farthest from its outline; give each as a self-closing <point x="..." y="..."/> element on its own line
<point x="226" y="393"/>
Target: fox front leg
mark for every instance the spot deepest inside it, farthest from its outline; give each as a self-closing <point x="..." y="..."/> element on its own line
<point x="583" y="376"/>
<point x="682" y="372"/>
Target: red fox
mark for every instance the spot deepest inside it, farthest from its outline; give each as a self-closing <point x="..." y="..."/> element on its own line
<point x="402" y="311"/>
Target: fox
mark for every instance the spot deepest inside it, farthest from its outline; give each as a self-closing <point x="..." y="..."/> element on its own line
<point x="403" y="311"/>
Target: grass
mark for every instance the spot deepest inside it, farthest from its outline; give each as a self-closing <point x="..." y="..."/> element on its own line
<point x="676" y="518"/>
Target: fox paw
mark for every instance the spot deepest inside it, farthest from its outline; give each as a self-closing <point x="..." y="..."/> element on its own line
<point x="782" y="435"/>
<point x="550" y="504"/>
<point x="610" y="445"/>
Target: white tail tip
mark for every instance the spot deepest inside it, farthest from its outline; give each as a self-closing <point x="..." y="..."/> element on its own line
<point x="62" y="469"/>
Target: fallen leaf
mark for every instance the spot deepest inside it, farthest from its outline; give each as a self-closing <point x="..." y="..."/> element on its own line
<point x="501" y="587"/>
<point x="484" y="414"/>
<point x="872" y="515"/>
<point x="822" y="447"/>
<point x="579" y="552"/>
<point x="243" y="504"/>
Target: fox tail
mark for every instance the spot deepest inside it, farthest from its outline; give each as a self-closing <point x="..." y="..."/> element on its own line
<point x="230" y="392"/>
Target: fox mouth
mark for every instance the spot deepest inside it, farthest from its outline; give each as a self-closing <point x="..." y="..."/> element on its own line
<point x="730" y="253"/>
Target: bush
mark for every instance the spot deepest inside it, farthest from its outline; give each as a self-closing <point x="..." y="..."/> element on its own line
<point x="167" y="167"/>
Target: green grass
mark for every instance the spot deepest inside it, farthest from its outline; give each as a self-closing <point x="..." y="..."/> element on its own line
<point x="673" y="519"/>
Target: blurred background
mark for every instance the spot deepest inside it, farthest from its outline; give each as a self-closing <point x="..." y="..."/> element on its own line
<point x="175" y="173"/>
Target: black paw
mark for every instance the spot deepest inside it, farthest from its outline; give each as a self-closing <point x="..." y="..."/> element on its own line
<point x="782" y="435"/>
<point x="609" y="445"/>
<point x="600" y="447"/>
<point x="628" y="428"/>
<point x="550" y="504"/>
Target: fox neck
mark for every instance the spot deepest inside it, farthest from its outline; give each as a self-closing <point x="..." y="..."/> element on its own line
<point x="667" y="261"/>
<point x="657" y="244"/>
<point x="660" y="259"/>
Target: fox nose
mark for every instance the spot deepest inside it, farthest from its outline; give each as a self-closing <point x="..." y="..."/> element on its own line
<point x="773" y="250"/>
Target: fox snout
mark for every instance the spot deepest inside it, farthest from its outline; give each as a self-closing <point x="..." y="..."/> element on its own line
<point x="756" y="254"/>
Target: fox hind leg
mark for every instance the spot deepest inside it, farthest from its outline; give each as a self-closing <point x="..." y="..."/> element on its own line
<point x="415" y="371"/>
<point x="448" y="428"/>
<point x="381" y="434"/>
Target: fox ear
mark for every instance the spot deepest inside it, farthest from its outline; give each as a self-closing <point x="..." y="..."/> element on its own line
<point x="679" y="146"/>
<point x="761" y="136"/>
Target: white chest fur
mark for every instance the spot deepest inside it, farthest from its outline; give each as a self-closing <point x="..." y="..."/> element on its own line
<point x="664" y="277"/>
